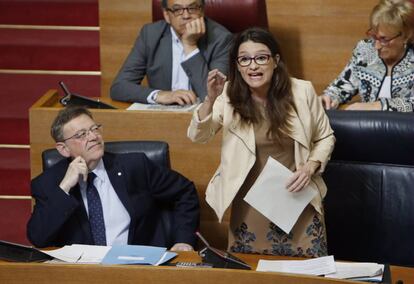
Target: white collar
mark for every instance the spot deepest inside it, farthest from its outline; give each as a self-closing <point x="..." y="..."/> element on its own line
<point x="100" y="171"/>
<point x="174" y="35"/>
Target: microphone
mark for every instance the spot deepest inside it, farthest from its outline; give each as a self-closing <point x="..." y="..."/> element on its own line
<point x="64" y="88"/>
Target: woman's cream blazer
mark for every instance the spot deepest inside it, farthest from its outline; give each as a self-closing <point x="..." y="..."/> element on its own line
<point x="313" y="136"/>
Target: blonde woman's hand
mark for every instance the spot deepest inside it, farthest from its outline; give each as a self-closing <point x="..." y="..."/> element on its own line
<point x="329" y="103"/>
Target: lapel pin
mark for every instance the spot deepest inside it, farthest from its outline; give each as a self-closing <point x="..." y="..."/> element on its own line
<point x="119" y="174"/>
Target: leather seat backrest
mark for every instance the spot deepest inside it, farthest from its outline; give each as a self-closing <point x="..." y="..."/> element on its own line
<point x="156" y="151"/>
<point x="369" y="207"/>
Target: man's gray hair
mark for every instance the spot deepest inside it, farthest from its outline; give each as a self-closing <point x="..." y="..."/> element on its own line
<point x="164" y="3"/>
<point x="63" y="117"/>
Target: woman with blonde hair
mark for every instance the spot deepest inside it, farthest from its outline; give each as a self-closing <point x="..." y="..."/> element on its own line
<point x="381" y="69"/>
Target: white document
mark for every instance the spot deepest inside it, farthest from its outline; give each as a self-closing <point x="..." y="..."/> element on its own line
<point x="92" y="254"/>
<point x="67" y="254"/>
<point x="315" y="266"/>
<point x="269" y="196"/>
<point x="79" y="253"/>
<point x="347" y="270"/>
<point x="156" y="107"/>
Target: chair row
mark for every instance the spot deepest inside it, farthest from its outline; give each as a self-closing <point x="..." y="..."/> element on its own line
<point x="369" y="206"/>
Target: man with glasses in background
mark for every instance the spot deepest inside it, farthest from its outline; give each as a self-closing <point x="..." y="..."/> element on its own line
<point x="176" y="55"/>
<point x="101" y="198"/>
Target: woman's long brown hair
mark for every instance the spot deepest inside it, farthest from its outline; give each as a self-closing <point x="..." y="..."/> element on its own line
<point x="279" y="97"/>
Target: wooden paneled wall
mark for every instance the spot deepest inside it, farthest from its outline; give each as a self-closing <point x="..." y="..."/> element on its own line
<point x="120" y="23"/>
<point x="317" y="36"/>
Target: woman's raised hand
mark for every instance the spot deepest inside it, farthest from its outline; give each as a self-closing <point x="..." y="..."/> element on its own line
<point x="215" y="84"/>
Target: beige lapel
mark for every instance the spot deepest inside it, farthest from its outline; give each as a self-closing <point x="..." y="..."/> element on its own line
<point x="246" y="133"/>
<point x="298" y="131"/>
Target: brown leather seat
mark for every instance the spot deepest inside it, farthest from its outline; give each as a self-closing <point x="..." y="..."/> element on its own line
<point x="235" y="15"/>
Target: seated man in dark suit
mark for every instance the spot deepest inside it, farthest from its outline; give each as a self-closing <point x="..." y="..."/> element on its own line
<point x="100" y="198"/>
<point x="176" y="55"/>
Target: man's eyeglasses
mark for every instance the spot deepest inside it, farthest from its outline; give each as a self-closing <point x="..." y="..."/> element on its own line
<point x="82" y="134"/>
<point x="178" y="11"/>
<point x="382" y="40"/>
<point x="261" y="59"/>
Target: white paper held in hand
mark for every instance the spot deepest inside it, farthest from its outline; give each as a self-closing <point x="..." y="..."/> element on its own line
<point x="269" y="196"/>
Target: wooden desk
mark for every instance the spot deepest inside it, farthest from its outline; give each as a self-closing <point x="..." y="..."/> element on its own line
<point x="196" y="162"/>
<point x="77" y="273"/>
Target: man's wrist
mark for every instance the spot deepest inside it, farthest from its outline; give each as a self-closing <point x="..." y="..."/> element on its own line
<point x="152" y="97"/>
<point x="64" y="188"/>
<point x="190" y="51"/>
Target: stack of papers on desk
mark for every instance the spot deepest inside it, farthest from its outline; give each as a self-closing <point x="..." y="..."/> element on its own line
<point x="362" y="271"/>
<point x="174" y="108"/>
<point x="315" y="266"/>
<point x="117" y="254"/>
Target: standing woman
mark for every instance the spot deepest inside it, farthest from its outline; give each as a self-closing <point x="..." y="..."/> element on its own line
<point x="264" y="112"/>
<point x="381" y="69"/>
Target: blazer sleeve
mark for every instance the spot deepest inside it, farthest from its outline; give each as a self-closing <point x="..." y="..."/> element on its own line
<point x="169" y="186"/>
<point x="323" y="140"/>
<point x="345" y="86"/>
<point x="52" y="209"/>
<point x="202" y="131"/>
<point x="127" y="84"/>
